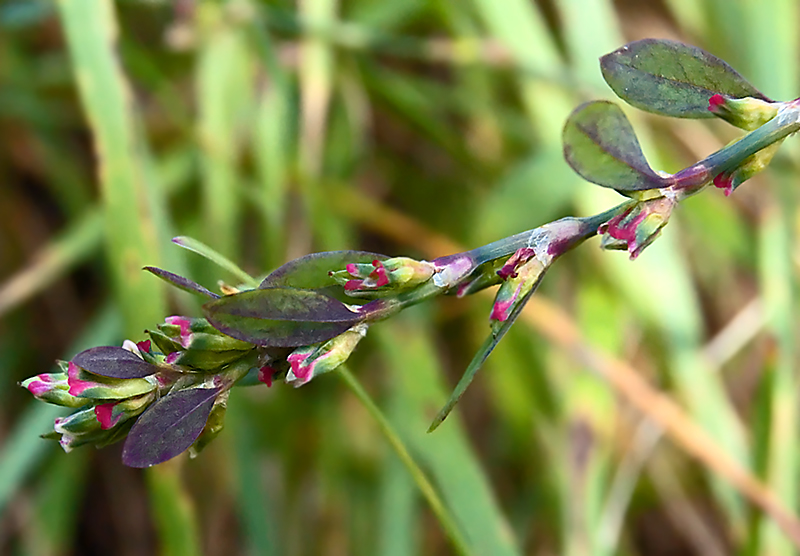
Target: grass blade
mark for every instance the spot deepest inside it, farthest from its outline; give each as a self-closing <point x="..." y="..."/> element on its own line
<point x="90" y="30"/>
<point x="426" y="488"/>
<point x="446" y="453"/>
<point x="217" y="258"/>
<point x="224" y="88"/>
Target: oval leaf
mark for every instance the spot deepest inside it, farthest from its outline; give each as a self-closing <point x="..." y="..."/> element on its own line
<point x="113" y="362"/>
<point x="671" y="78"/>
<point x="180" y="282"/>
<point x="280" y="317"/>
<point x="601" y="146"/>
<point x="311" y="272"/>
<point x="169" y="427"/>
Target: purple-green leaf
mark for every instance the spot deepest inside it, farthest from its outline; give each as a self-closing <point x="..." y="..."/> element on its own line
<point x="180" y="282"/>
<point x="671" y="78"/>
<point x="311" y="272"/>
<point x="169" y="427"/>
<point x="601" y="146"/>
<point x="280" y="317"/>
<point x="113" y="362"/>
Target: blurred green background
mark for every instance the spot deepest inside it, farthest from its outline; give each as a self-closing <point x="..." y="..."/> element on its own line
<point x="270" y="130"/>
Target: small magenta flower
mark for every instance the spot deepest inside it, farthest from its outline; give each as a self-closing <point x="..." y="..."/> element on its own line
<point x="308" y="362"/>
<point x="184" y="329"/>
<point x="194" y="343"/>
<point x="111" y="414"/>
<point x="391" y="274"/>
<point x="728" y="181"/>
<point x="53" y="388"/>
<point x="521" y="275"/>
<point x="96" y="425"/>
<point x="637" y="227"/>
<point x="519" y="258"/>
<point x="265" y="375"/>
<point x="745" y="113"/>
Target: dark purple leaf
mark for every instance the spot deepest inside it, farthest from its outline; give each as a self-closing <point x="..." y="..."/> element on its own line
<point x="672" y="78"/>
<point x="281" y="317"/>
<point x="311" y="272"/>
<point x="180" y="282"/>
<point x="113" y="362"/>
<point x="169" y="427"/>
<point x="600" y="145"/>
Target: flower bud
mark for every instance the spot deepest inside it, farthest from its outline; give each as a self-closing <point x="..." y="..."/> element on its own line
<point x="111" y="414"/>
<point x="396" y="273"/>
<point x="84" y="384"/>
<point x="98" y="425"/>
<point x="310" y="361"/>
<point x="81" y="421"/>
<point x="637" y="227"/>
<point x="728" y="181"/>
<point x="194" y="343"/>
<point x="53" y="388"/>
<point x="198" y="333"/>
<point x="519" y="283"/>
<point x="746" y="113"/>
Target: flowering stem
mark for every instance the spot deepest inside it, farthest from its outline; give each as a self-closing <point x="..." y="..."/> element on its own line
<point x="507" y="246"/>
<point x="582" y="229"/>
<point x="786" y="122"/>
<point x="426" y="488"/>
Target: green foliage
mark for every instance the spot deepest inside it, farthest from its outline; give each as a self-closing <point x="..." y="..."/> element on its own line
<point x="270" y="133"/>
<point x="601" y="146"/>
<point x="672" y="78"/>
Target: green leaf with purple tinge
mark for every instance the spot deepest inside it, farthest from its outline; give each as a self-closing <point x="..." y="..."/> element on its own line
<point x="169" y="427"/>
<point x="601" y="146"/>
<point x="280" y="317"/>
<point x="671" y="78"/>
<point x="311" y="272"/>
<point x="113" y="362"/>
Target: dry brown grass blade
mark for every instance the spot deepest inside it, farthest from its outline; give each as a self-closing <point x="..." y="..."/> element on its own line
<point x="557" y="326"/>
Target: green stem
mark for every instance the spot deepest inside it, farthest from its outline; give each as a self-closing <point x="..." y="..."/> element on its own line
<point x="426" y="488"/>
<point x="578" y="230"/>
<point x="508" y="246"/>
<point x="784" y="124"/>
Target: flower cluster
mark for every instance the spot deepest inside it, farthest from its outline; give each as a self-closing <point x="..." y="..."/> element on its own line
<point x="104" y="403"/>
<point x="390" y="274"/>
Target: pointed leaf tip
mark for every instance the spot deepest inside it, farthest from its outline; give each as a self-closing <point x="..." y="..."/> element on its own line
<point x="671" y="78"/>
<point x="180" y="282"/>
<point x="601" y="146"/>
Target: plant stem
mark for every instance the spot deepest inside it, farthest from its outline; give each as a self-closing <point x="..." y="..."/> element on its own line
<point x="507" y="246"/>
<point x="426" y="488"/>
<point x="784" y="124"/>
